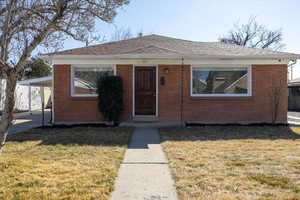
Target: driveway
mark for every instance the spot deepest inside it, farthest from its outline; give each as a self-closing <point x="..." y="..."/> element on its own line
<point x="294" y="116"/>
<point x="25" y="121"/>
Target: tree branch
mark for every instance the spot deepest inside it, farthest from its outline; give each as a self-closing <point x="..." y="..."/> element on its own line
<point x="254" y="35"/>
<point x="42" y="34"/>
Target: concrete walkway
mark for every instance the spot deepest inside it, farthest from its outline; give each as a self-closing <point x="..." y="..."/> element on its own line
<point x="144" y="173"/>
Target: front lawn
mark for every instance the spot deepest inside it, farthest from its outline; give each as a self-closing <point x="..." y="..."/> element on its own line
<point x="62" y="163"/>
<point x="234" y="162"/>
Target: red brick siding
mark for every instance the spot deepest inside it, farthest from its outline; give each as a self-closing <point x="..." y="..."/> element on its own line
<point x="169" y="97"/>
<point x="125" y="71"/>
<point x="256" y="108"/>
<point x="68" y="108"/>
<point x="84" y="109"/>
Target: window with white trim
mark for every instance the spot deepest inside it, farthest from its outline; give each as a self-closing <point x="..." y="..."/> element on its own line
<point x="220" y="81"/>
<point x="84" y="79"/>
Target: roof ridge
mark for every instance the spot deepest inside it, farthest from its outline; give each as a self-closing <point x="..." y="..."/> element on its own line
<point x="151" y="45"/>
<point x="133" y="38"/>
<point x="175" y="38"/>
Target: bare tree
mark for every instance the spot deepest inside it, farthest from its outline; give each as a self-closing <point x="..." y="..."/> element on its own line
<point x="121" y="34"/>
<point x="254" y="35"/>
<point x="124" y="34"/>
<point x="93" y="38"/>
<point x="28" y="24"/>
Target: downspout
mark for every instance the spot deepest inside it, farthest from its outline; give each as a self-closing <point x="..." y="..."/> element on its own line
<point x="181" y="93"/>
<point x="291" y="65"/>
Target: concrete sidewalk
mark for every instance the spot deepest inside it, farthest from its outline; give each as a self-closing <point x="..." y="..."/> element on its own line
<point x="144" y="173"/>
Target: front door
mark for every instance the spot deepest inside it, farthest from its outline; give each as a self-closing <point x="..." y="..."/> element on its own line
<point x="145" y="90"/>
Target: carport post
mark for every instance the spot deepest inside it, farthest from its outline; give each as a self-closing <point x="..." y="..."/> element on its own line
<point x="43" y="105"/>
<point x="51" y="108"/>
<point x="29" y="98"/>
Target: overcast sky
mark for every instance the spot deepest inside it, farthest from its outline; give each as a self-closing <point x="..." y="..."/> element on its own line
<point x="206" y="20"/>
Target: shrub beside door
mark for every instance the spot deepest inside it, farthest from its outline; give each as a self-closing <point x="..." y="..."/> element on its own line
<point x="110" y="97"/>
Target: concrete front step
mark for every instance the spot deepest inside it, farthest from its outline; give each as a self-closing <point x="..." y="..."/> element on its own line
<point x="145" y="119"/>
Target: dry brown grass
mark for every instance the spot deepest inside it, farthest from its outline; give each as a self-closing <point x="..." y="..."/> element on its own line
<point x="234" y="162"/>
<point x="74" y="163"/>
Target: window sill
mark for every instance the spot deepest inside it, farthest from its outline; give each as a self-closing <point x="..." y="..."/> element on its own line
<point x="218" y="96"/>
<point x="83" y="98"/>
<point x="222" y="98"/>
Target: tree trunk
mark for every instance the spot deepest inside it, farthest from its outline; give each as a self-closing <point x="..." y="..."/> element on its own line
<point x="7" y="113"/>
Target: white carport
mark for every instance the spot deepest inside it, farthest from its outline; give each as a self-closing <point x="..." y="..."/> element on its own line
<point x="37" y="82"/>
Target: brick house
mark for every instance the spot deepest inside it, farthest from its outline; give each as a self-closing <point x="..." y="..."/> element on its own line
<point x="172" y="79"/>
<point x="294" y="94"/>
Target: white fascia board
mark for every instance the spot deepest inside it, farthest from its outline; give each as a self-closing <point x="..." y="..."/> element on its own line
<point x="167" y="61"/>
<point x="170" y="56"/>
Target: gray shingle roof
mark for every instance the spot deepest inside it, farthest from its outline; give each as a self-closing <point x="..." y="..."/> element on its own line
<point x="156" y="44"/>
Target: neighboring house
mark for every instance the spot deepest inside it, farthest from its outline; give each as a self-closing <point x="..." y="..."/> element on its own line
<point x="294" y="94"/>
<point x="172" y="79"/>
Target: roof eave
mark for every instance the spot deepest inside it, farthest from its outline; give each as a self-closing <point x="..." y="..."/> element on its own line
<point x="170" y="56"/>
<point x="296" y="84"/>
<point x="35" y="80"/>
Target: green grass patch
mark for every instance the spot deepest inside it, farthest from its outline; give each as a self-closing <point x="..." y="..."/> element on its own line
<point x="275" y="181"/>
<point x="237" y="163"/>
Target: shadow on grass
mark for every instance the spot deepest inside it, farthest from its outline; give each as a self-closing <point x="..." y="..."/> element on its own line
<point x="103" y="136"/>
<point x="229" y="133"/>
